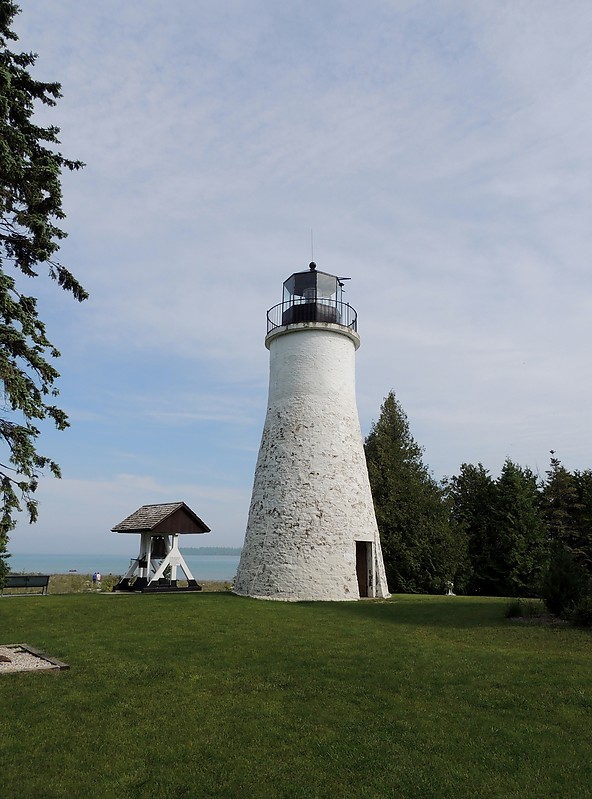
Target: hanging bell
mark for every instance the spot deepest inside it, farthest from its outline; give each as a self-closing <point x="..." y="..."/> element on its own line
<point x="159" y="550"/>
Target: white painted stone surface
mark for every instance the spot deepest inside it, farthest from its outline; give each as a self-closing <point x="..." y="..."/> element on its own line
<point x="311" y="496"/>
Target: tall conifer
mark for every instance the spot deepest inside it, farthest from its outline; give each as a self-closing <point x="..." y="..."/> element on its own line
<point x="30" y="213"/>
<point x="421" y="551"/>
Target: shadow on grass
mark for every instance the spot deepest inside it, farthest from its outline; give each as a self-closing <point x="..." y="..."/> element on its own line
<point x="427" y="611"/>
<point x="454" y="612"/>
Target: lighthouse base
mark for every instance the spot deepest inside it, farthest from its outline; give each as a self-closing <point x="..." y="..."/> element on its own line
<point x="313" y="573"/>
<point x="311" y="532"/>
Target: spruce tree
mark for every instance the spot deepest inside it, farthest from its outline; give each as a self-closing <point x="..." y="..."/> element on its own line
<point x="30" y="213"/>
<point x="582" y="545"/>
<point x="421" y="551"/>
<point x="507" y="537"/>
<point x="568" y="509"/>
<point x="521" y="531"/>
<point x="561" y="503"/>
<point x="472" y="495"/>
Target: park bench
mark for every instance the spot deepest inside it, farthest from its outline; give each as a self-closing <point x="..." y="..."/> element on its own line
<point x="26" y="581"/>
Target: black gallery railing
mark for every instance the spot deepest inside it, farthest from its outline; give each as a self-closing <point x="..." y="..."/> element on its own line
<point x="328" y="311"/>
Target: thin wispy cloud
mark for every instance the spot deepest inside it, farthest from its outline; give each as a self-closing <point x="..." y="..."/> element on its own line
<point x="442" y="155"/>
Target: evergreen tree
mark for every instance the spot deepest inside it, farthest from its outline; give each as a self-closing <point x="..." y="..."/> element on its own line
<point x="568" y="508"/>
<point x="521" y="532"/>
<point x="582" y="544"/>
<point x="561" y="503"/>
<point x="421" y="551"/>
<point x="503" y="520"/>
<point x="472" y="496"/>
<point x="567" y="502"/>
<point x="30" y="210"/>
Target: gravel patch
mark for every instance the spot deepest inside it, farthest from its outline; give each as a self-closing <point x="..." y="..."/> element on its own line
<point x="23" y="657"/>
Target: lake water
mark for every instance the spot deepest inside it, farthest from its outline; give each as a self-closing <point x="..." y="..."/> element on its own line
<point x="203" y="567"/>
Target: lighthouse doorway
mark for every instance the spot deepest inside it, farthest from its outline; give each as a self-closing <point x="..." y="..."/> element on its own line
<point x="363" y="567"/>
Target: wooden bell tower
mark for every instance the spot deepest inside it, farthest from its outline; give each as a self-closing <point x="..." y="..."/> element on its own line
<point x="159" y="560"/>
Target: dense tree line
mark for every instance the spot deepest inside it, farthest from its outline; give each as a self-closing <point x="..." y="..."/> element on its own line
<point x="517" y="535"/>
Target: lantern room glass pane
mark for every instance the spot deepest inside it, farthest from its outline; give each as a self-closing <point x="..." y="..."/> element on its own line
<point x="327" y="286"/>
<point x="310" y="286"/>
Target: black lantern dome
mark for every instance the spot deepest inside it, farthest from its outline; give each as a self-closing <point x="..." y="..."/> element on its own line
<point x="312" y="296"/>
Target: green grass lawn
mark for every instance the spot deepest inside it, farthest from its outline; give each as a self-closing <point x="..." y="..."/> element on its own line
<point x="212" y="695"/>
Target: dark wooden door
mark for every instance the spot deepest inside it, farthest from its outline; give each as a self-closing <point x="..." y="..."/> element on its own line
<point x="362" y="567"/>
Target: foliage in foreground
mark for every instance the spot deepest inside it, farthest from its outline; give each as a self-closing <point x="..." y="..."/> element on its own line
<point x="30" y="210"/>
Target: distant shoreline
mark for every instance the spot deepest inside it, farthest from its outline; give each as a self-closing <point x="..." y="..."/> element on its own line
<point x="211" y="550"/>
<point x="208" y="563"/>
<point x="186" y="550"/>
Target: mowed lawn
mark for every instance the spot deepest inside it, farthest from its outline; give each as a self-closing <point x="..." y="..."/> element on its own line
<point x="212" y="695"/>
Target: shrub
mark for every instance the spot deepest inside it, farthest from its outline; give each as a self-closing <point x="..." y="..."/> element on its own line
<point x="581" y="611"/>
<point x="565" y="582"/>
<point x="513" y="609"/>
<point x="523" y="608"/>
<point x="532" y="608"/>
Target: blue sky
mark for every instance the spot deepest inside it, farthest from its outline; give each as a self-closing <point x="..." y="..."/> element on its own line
<point x="440" y="151"/>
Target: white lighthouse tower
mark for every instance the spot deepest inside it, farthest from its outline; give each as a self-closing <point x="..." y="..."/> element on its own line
<point x="311" y="533"/>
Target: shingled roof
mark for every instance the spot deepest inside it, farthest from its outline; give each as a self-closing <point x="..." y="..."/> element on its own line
<point x="166" y="518"/>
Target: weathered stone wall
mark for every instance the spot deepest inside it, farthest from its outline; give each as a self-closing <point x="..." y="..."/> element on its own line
<point x="311" y="497"/>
